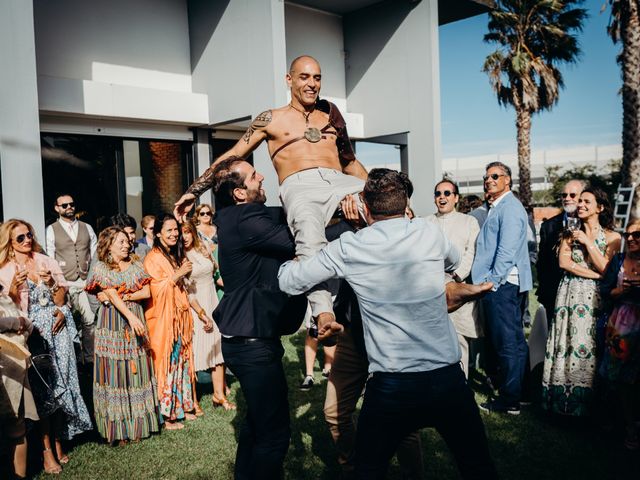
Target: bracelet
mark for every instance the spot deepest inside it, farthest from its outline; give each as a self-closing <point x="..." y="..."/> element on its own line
<point x="54" y="288"/>
<point x="201" y="313"/>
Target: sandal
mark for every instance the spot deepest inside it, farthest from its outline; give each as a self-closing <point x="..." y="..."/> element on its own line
<point x="173" y="426"/>
<point x="224" y="403"/>
<point x="190" y="416"/>
<point x="55" y="470"/>
<point x="198" y="411"/>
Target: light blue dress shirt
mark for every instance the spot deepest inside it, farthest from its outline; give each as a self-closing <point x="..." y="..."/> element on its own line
<point x="396" y="268"/>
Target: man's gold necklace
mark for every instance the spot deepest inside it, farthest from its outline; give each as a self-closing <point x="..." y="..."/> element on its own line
<point x="311" y="134"/>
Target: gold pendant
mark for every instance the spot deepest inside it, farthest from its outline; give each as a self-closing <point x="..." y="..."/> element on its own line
<point x="312" y="135"/>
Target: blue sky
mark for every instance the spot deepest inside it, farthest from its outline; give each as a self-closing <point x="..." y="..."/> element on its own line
<point x="589" y="111"/>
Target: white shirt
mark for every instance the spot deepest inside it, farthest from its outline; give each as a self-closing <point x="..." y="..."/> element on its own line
<point x="72" y="230"/>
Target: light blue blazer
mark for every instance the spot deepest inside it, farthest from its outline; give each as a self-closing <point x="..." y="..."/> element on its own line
<point x="502" y="244"/>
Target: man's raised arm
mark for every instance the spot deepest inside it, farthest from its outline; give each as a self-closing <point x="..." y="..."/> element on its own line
<point x="252" y="138"/>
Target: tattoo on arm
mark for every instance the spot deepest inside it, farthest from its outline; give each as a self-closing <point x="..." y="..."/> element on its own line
<point x="203" y="183"/>
<point x="261" y="121"/>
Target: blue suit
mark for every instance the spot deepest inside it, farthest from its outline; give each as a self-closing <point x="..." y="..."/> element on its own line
<point x="502" y="245"/>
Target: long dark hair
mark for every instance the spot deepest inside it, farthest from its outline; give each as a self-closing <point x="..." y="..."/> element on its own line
<point x="174" y="254"/>
<point x="605" y="217"/>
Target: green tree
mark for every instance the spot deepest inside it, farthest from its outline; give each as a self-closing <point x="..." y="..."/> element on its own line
<point x="624" y="28"/>
<point x="533" y="38"/>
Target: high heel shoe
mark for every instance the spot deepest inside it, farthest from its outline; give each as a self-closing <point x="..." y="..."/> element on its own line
<point x="223" y="402"/>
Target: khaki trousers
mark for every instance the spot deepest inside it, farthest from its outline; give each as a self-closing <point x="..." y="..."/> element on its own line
<point x="349" y="373"/>
<point x="310" y="198"/>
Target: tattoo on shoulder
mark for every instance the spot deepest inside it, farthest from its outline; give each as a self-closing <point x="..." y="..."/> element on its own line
<point x="261" y="121"/>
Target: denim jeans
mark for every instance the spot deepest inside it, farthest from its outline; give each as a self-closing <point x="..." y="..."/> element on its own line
<point x="264" y="436"/>
<point x="396" y="404"/>
<point x="503" y="314"/>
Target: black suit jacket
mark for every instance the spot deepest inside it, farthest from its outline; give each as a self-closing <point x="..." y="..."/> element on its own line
<point x="547" y="266"/>
<point x="253" y="242"/>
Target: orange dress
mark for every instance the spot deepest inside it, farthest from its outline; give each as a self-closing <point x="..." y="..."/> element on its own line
<point x="170" y="335"/>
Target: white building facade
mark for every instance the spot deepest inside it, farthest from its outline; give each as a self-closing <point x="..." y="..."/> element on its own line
<point x="123" y="103"/>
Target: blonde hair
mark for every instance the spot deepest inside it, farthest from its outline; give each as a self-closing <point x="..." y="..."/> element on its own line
<point x="634" y="223"/>
<point x="6" y="248"/>
<point x="196" y="214"/>
<point x="147" y="220"/>
<point x="197" y="244"/>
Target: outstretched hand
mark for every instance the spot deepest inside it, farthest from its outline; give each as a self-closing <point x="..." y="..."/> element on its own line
<point x="184" y="206"/>
<point x="460" y="293"/>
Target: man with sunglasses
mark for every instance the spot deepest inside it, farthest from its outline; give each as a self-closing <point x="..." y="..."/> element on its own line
<point x="547" y="266"/>
<point x="462" y="231"/>
<point x="502" y="257"/>
<point x="73" y="243"/>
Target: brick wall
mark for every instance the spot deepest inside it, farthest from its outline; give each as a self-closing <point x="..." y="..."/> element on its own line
<point x="167" y="174"/>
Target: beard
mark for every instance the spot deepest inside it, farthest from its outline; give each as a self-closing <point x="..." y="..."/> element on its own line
<point x="256" y="196"/>
<point x="570" y="208"/>
<point x="70" y="213"/>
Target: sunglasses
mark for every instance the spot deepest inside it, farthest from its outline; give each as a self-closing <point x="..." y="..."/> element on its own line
<point x="634" y="235"/>
<point x="493" y="176"/>
<point x="67" y="205"/>
<point x="571" y="195"/>
<point x="446" y="193"/>
<point x="204" y="214"/>
<point x="21" y="238"/>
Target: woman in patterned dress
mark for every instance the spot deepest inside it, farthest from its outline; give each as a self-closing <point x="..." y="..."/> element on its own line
<point x="124" y="387"/>
<point x="171" y="324"/>
<point x="203" y="217"/>
<point x="570" y="358"/>
<point x="36" y="285"/>
<point x="621" y="360"/>
<point x="207" y="345"/>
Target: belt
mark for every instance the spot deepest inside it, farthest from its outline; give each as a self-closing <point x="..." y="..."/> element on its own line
<point x="241" y="340"/>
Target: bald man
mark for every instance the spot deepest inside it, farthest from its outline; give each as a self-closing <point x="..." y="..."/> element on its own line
<point x="316" y="166"/>
<point x="547" y="266"/>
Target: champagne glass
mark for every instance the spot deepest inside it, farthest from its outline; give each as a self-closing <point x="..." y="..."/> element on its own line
<point x="573" y="224"/>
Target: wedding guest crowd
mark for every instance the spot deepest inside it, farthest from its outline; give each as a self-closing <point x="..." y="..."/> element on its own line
<point x="152" y="329"/>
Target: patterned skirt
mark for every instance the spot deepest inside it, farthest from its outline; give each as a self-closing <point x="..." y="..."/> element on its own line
<point x="124" y="387"/>
<point x="570" y="357"/>
<point x="621" y="362"/>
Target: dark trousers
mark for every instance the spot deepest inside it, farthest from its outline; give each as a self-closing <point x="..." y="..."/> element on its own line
<point x="264" y="436"/>
<point x="396" y="404"/>
<point x="503" y="314"/>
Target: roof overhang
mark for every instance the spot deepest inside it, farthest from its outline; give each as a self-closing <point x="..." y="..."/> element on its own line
<point x="449" y="10"/>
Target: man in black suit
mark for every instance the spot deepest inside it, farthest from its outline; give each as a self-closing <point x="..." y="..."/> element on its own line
<point x="253" y="313"/>
<point x="547" y="266"/>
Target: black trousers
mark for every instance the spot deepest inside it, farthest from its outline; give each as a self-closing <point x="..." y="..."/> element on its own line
<point x="396" y="404"/>
<point x="265" y="433"/>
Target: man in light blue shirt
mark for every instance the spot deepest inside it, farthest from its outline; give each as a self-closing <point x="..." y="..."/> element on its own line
<point x="396" y="268"/>
<point x="502" y="257"/>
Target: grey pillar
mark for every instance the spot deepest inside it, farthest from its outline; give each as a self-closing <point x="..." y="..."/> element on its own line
<point x="20" y="159"/>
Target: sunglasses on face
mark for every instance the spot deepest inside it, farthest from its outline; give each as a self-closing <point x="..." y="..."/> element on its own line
<point x="204" y="214"/>
<point x="23" y="236"/>
<point x="493" y="176"/>
<point x="634" y="235"/>
<point x="446" y="193"/>
<point x="67" y="205"/>
<point x="571" y="195"/>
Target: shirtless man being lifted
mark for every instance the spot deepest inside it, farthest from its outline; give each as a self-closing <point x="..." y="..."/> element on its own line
<point x="311" y="152"/>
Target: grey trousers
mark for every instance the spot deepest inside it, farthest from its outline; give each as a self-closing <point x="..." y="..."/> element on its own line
<point x="310" y="197"/>
<point x="80" y="302"/>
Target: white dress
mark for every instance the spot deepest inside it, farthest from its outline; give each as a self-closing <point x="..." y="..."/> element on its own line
<point x="207" y="350"/>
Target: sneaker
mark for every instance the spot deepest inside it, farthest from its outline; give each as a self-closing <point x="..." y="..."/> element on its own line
<point x="497" y="407"/>
<point x="307" y="383"/>
<point x="325" y="373"/>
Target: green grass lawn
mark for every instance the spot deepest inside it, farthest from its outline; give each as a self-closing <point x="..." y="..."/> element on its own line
<point x="531" y="446"/>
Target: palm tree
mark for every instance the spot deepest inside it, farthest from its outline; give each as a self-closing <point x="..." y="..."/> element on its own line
<point x="624" y="27"/>
<point x="533" y="37"/>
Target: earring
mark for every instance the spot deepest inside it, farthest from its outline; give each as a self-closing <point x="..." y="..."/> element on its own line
<point x="109" y="258"/>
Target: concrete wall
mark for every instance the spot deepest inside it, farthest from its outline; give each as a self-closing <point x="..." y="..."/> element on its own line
<point x="319" y="34"/>
<point x="238" y="59"/>
<point x="118" y="59"/>
<point x="22" y="195"/>
<point x="392" y="78"/>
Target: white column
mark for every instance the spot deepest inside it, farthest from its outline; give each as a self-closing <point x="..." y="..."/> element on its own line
<point x="203" y="159"/>
<point x="20" y="160"/>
